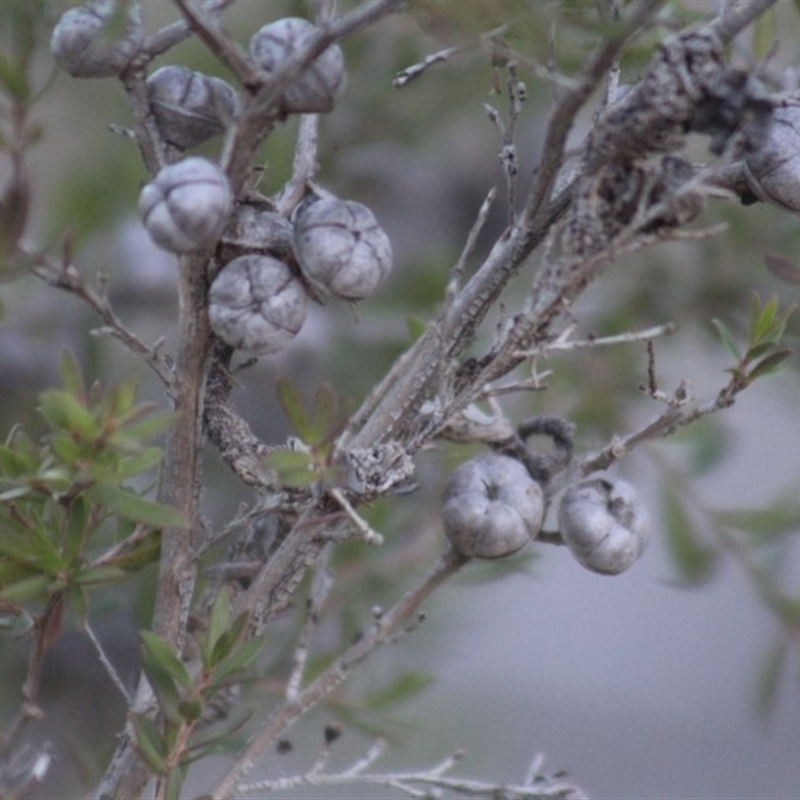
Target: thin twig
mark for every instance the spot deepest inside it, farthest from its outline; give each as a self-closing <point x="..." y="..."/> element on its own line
<point x="107" y="665"/>
<point x="382" y="629"/>
<point x="67" y="277"/>
<point x="427" y="783"/>
<point x="602" y="341"/>
<point x="567" y="107"/>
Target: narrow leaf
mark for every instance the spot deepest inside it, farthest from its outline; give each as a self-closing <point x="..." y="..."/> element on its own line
<point x="217" y="625"/>
<point x="402" y="688"/>
<point x="693" y="560"/>
<point x="769" y="364"/>
<point x="157" y="651"/>
<point x="235" y="664"/>
<point x="229" y="638"/>
<point x="71" y="377"/>
<point x="323" y="414"/>
<point x="727" y="339"/>
<point x="292" y="405"/>
<point x="149" y="743"/>
<point x="136" y="508"/>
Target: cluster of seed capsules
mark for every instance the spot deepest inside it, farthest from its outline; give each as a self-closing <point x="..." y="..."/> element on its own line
<point x="331" y="247"/>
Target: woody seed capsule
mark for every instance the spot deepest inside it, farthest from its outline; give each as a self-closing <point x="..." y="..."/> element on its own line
<point x="492" y="507"/>
<point x="341" y="247"/>
<point x="189" y="107"/>
<point x="256" y="304"/>
<point x="185" y="207"/>
<point x="316" y="87"/>
<point x="604" y="525"/>
<point x="99" y="39"/>
<point x="773" y="171"/>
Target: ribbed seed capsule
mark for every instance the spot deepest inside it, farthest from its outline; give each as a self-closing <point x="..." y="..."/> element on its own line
<point x="492" y="507"/>
<point x="603" y="524"/>
<point x="773" y="171"/>
<point x="341" y="247"/>
<point x="99" y="39"/>
<point x="185" y="207"/>
<point x="316" y="87"/>
<point x="256" y="304"/>
<point x="189" y="107"/>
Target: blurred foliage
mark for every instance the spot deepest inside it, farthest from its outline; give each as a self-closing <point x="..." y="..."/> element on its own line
<point x="59" y="494"/>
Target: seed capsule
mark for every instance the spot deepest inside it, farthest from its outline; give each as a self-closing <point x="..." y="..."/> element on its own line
<point x="189" y="107"/>
<point x="773" y="171"/>
<point x="316" y="87"/>
<point x="256" y="304"/>
<point x="341" y="247"/>
<point x="492" y="507"/>
<point x="99" y="39"/>
<point x="185" y="207"/>
<point x="603" y="524"/>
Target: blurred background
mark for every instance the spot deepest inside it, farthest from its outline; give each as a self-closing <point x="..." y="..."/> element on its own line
<point x="676" y="679"/>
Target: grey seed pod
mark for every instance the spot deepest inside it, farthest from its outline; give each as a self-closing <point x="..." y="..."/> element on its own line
<point x="99" y="39"/>
<point x="603" y="524"/>
<point x="255" y="228"/>
<point x="773" y="170"/>
<point x="189" y="107"/>
<point x="316" y="87"/>
<point x="341" y="247"/>
<point x="492" y="507"/>
<point x="256" y="304"/>
<point x="185" y="207"/>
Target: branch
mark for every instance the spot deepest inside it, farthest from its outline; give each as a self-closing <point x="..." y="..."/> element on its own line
<point x="567" y="108"/>
<point x="289" y="712"/>
<point x="422" y="784"/>
<point x="66" y="276"/>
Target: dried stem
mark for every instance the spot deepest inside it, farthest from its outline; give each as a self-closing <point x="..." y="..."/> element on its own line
<point x="383" y="628"/>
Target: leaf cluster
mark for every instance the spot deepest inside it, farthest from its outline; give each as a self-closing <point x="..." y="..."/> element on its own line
<point x="762" y="355"/>
<point x="59" y="493"/>
<point x="226" y="659"/>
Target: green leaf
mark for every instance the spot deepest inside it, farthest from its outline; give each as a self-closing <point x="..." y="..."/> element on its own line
<point x="768" y="365"/>
<point x="762" y="317"/>
<point x="780" y="518"/>
<point x="71" y="377"/>
<point x="405" y="686"/>
<point x="153" y="425"/>
<point x="132" y="506"/>
<point x="217" y="625"/>
<point x="323" y="415"/>
<point x="149" y="743"/>
<point x="26" y="589"/>
<point x="416" y="326"/>
<point x="233" y="668"/>
<point x="32" y="547"/>
<point x="292" y="405"/>
<point x="693" y="560"/>
<point x="63" y="411"/>
<point x="294" y="467"/>
<point x="190" y="710"/>
<point x="160" y="653"/>
<point x="102" y="575"/>
<point x="727" y="338"/>
<point x="134" y="465"/>
<point x="229" y="638"/>
<point x="143" y="552"/>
